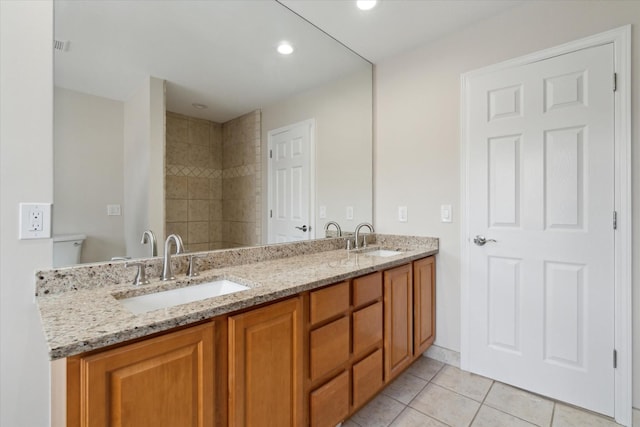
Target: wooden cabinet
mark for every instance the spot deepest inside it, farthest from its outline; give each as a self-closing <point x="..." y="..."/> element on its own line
<point x="345" y="331"/>
<point x="329" y="404"/>
<point x="424" y="297"/>
<point x="265" y="366"/>
<point x="163" y="381"/>
<point x="409" y="297"/>
<point x="398" y="320"/>
<point x="314" y="359"/>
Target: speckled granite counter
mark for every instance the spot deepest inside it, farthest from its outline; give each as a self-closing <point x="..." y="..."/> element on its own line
<point x="80" y="311"/>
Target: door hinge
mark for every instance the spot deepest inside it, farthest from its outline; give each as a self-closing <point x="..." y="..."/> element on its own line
<point x="270" y="213"/>
<point x="615" y="359"/>
<point x="615" y="81"/>
<point x="615" y="220"/>
<point x="271" y="154"/>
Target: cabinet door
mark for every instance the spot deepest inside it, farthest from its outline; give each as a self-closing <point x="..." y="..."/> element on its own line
<point x="329" y="347"/>
<point x="265" y="366"/>
<point x="329" y="404"/>
<point x="367" y="378"/>
<point x="424" y="296"/>
<point x="163" y="381"/>
<point x="398" y="320"/>
<point x="367" y="328"/>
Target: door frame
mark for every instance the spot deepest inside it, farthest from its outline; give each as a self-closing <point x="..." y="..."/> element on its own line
<point x="621" y="39"/>
<point x="311" y="126"/>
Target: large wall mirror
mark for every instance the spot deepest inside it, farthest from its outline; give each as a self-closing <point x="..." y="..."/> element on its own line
<point x="182" y="117"/>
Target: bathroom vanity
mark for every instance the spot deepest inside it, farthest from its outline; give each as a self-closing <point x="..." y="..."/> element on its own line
<point x="319" y="332"/>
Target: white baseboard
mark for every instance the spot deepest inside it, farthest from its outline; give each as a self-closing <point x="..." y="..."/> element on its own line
<point x="444" y="355"/>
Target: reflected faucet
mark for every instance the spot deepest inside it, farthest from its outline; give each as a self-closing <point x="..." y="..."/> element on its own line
<point x="167" y="273"/>
<point x="149" y="237"/>
<point x="364" y="238"/>
<point x="330" y="223"/>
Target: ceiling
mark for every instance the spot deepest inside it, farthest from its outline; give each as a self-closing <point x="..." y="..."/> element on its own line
<point x="221" y="53"/>
<point x="395" y="26"/>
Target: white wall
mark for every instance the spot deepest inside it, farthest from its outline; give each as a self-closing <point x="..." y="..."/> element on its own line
<point x="88" y="171"/>
<point x="143" y="168"/>
<point x="417" y="155"/>
<point x="26" y="174"/>
<point x="342" y="111"/>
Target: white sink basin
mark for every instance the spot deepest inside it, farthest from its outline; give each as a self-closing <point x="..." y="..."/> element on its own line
<point x="382" y="253"/>
<point x="164" y="299"/>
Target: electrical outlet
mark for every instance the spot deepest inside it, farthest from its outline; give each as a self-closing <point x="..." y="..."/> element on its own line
<point x="402" y="213"/>
<point x="35" y="221"/>
<point x="349" y="212"/>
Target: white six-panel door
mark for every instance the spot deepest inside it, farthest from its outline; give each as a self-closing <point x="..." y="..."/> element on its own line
<point x="541" y="184"/>
<point x="290" y="183"/>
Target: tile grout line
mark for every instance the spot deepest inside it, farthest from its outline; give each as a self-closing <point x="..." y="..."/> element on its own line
<point x="482" y="403"/>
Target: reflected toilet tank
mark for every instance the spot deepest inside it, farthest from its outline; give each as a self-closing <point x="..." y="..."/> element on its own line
<point x="67" y="249"/>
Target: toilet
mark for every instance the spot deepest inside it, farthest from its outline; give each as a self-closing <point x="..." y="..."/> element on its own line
<point x="67" y="249"/>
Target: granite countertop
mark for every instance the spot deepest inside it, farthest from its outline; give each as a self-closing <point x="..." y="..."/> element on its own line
<point x="77" y="319"/>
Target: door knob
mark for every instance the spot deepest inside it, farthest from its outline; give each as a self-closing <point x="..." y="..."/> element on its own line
<point x="304" y="228"/>
<point x="481" y="240"/>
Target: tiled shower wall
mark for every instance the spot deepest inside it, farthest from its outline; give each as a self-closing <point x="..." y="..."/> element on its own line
<point x="241" y="181"/>
<point x="209" y="179"/>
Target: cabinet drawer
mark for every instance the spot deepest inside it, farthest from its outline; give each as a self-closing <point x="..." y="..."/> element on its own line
<point x="367" y="327"/>
<point x="329" y="347"/>
<point x="367" y="378"/>
<point x="367" y="289"/>
<point x="329" y="404"/>
<point x="329" y="302"/>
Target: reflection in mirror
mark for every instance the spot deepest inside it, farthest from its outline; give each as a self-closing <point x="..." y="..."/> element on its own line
<point x="168" y="116"/>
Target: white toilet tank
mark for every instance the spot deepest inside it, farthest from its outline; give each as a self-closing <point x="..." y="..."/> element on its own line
<point x="67" y="249"/>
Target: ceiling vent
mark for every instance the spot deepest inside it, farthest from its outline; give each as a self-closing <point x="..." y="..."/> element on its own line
<point x="61" y="45"/>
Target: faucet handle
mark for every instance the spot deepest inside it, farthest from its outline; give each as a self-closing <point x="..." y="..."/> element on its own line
<point x="192" y="270"/>
<point x="141" y="278"/>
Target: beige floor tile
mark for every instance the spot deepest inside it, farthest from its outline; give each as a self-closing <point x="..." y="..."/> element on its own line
<point x="636" y="417"/>
<point x="568" y="416"/>
<point x="471" y="385"/>
<point x="489" y="417"/>
<point x="425" y="368"/>
<point x="445" y="405"/>
<point x="524" y="405"/>
<point x="349" y="423"/>
<point x="380" y="412"/>
<point x="412" y="418"/>
<point x="405" y="388"/>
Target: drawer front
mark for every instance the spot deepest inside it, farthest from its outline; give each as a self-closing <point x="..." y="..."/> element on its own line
<point x="329" y="302"/>
<point x="367" y="289"/>
<point x="367" y="378"/>
<point x="329" y="404"/>
<point x="329" y="347"/>
<point x="367" y="327"/>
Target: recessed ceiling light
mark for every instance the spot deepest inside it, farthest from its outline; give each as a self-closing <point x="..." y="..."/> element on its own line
<point x="366" y="4"/>
<point x="285" y="48"/>
<point x="199" y="106"/>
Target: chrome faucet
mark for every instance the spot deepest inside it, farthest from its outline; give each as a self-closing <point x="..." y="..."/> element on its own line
<point x="330" y="223"/>
<point x="364" y="238"/>
<point x="167" y="274"/>
<point x="149" y="237"/>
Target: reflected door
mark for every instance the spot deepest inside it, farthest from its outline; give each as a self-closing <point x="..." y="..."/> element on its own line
<point x="541" y="202"/>
<point x="291" y="183"/>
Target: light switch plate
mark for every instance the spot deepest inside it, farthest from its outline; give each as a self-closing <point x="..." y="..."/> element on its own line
<point x="323" y="212"/>
<point x="349" y="212"/>
<point x="402" y="213"/>
<point x="35" y="221"/>
<point x="114" y="210"/>
<point x="445" y="213"/>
